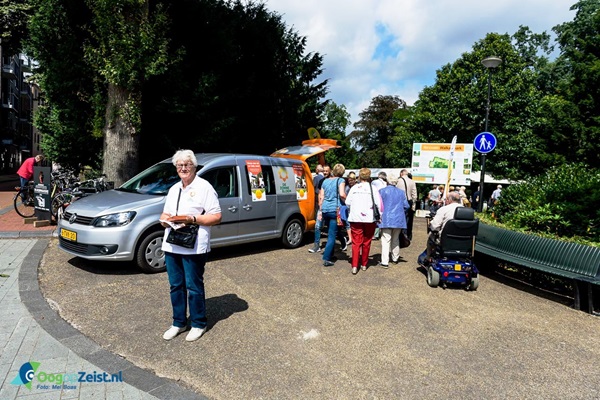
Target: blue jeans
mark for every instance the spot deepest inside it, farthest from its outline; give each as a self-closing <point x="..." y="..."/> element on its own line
<point x="318" y="225"/>
<point x="186" y="277"/>
<point x="331" y="219"/>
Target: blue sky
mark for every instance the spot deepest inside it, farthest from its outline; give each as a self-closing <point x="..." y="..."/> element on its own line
<point x="392" y="47"/>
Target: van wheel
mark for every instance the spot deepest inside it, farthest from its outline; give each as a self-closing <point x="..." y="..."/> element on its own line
<point x="149" y="256"/>
<point x="293" y="234"/>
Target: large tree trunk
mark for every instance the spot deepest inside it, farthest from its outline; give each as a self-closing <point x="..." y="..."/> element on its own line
<point x="121" y="138"/>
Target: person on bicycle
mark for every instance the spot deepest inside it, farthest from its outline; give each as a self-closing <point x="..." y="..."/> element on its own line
<point x="25" y="172"/>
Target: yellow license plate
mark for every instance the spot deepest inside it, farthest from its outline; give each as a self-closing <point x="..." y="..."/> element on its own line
<point x="69" y="235"/>
<point x="457" y="267"/>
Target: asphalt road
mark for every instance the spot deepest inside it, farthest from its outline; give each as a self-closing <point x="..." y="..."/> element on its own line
<point x="282" y="326"/>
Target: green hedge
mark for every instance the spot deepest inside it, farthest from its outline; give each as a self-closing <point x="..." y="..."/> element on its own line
<point x="565" y="201"/>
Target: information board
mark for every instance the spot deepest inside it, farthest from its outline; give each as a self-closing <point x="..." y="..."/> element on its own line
<point x="41" y="191"/>
<point x="430" y="163"/>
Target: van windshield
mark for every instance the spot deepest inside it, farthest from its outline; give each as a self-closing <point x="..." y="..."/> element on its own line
<point x="156" y="180"/>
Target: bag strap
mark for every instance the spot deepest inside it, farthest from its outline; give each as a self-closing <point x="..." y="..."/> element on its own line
<point x="406" y="191"/>
<point x="372" y="198"/>
<point x="178" y="197"/>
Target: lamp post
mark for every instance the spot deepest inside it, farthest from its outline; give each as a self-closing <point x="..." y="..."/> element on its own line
<point x="490" y="63"/>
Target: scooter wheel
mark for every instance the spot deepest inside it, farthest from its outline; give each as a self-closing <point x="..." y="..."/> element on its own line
<point x="474" y="283"/>
<point x="433" y="277"/>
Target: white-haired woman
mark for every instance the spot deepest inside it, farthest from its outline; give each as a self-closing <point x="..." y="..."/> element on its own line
<point x="191" y="201"/>
<point x="393" y="220"/>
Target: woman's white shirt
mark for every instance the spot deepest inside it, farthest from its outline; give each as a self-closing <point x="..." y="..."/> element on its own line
<point x="360" y="202"/>
<point x="196" y="198"/>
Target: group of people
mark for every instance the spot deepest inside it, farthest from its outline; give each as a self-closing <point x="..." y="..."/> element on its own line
<point x="352" y="204"/>
<point x="367" y="209"/>
<point x="435" y="196"/>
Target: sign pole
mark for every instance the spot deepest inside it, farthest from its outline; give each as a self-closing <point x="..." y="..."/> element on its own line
<point x="481" y="181"/>
<point x="483" y="143"/>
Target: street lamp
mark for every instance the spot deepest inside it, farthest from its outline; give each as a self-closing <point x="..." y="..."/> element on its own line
<point x="490" y="63"/>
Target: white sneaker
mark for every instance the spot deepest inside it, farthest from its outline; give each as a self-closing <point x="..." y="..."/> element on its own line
<point x="195" y="334"/>
<point x="172" y="332"/>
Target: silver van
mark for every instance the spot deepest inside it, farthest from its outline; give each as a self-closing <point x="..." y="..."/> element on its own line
<point x="261" y="198"/>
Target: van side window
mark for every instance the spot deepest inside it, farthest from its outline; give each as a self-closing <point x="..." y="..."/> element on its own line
<point x="223" y="181"/>
<point x="267" y="180"/>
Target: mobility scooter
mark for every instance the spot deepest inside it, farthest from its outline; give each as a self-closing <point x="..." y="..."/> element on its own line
<point x="452" y="262"/>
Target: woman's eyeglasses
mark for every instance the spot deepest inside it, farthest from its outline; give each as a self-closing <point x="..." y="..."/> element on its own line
<point x="181" y="166"/>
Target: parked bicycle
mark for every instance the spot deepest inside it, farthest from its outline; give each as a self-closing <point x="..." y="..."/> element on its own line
<point x="24" y="200"/>
<point x="64" y="189"/>
<point x="77" y="191"/>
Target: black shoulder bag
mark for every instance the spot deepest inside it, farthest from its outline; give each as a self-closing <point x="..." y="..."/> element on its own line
<point x="186" y="235"/>
<point x="376" y="213"/>
<point x="404" y="240"/>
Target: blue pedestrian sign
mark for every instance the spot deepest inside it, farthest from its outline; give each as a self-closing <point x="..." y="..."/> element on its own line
<point x="485" y="142"/>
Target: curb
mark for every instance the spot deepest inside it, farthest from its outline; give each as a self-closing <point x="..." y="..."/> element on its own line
<point x="28" y="234"/>
<point x="67" y="335"/>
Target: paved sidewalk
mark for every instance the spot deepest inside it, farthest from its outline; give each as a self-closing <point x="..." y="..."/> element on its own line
<point x="12" y="224"/>
<point x="31" y="332"/>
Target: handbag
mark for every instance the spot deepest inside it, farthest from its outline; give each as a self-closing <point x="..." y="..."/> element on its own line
<point x="186" y="235"/>
<point x="376" y="213"/>
<point x="339" y="220"/>
<point x="338" y="211"/>
<point x="404" y="240"/>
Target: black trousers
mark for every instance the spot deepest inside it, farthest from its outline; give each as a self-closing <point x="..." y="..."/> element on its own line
<point x="410" y="216"/>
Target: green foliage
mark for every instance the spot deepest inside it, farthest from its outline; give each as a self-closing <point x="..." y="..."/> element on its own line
<point x="230" y="70"/>
<point x="14" y="18"/>
<point x="579" y="41"/>
<point x="244" y="83"/>
<point x="399" y="151"/>
<point x="562" y="201"/>
<point x="72" y="94"/>
<point x="334" y="121"/>
<point x="456" y="103"/>
<point x="375" y="131"/>
<point x="128" y="41"/>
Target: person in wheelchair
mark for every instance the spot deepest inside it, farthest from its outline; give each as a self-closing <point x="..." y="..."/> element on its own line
<point x="436" y="225"/>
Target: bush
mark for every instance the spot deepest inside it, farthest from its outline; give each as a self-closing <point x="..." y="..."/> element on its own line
<point x="563" y="201"/>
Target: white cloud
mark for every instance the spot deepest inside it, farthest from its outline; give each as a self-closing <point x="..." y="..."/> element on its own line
<point x="420" y="36"/>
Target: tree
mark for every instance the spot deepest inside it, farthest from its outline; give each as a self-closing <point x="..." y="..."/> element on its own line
<point x="93" y="90"/>
<point x="14" y="19"/>
<point x="72" y="93"/>
<point x="128" y="44"/>
<point x="456" y="103"/>
<point x="247" y="86"/>
<point x="143" y="77"/>
<point x="335" y="119"/>
<point x="579" y="42"/>
<point x="399" y="150"/>
<point x="374" y="131"/>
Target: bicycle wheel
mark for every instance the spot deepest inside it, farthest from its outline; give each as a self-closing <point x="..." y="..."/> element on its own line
<point x="59" y="203"/>
<point x="25" y="208"/>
